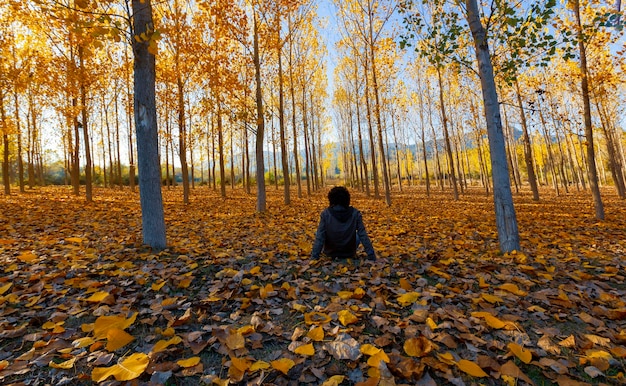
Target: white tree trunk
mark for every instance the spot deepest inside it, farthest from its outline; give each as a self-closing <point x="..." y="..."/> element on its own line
<point x="506" y="221"/>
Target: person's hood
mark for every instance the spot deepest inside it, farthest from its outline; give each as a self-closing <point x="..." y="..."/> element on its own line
<point x="341" y="213"/>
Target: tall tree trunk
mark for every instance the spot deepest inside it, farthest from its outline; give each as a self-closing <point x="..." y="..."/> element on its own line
<point x="362" y="159"/>
<point x="118" y="160"/>
<point x="506" y="220"/>
<point x="85" y="125"/>
<point x="511" y="152"/>
<point x="75" y="173"/>
<point x="423" y="136"/>
<point x="370" y="129"/>
<point x="305" y="129"/>
<point x="151" y="199"/>
<point x="18" y="128"/>
<point x="446" y="137"/>
<point x="584" y="84"/>
<point x="379" y="124"/>
<point x="293" y="117"/>
<point x="284" y="156"/>
<point x="31" y="139"/>
<point x="129" y="108"/>
<point x="528" y="150"/>
<point x="612" y="149"/>
<point x="182" y="139"/>
<point x="220" y="144"/>
<point x="261" y="201"/>
<point x="5" y="141"/>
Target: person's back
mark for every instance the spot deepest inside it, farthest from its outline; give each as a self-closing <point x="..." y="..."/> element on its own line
<point x="341" y="229"/>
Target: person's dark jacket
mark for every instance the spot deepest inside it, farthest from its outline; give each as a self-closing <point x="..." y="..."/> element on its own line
<point x="337" y="233"/>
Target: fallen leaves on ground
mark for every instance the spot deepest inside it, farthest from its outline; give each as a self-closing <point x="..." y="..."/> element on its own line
<point x="235" y="299"/>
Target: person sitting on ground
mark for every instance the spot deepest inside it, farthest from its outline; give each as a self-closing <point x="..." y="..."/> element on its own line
<point x="341" y="229"/>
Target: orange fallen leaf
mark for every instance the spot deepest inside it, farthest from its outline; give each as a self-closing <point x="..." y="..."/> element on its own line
<point x="417" y="347"/>
<point x="523" y="354"/>
<point x="117" y="338"/>
<point x="161" y="345"/>
<point x="283" y="365"/>
<point x="27" y="257"/>
<point x="471" y="368"/>
<point x="317" y="318"/>
<point x="306" y="349"/>
<point x="335" y="380"/>
<point x="130" y="368"/>
<point x="5" y="288"/>
<point x="346" y="317"/>
<point x="68" y="364"/>
<point x="316" y="334"/>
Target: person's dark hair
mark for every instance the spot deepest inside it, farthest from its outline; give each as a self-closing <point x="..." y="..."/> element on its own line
<point x="339" y="195"/>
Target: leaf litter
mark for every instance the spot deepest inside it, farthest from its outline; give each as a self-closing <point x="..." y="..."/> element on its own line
<point x="235" y="299"/>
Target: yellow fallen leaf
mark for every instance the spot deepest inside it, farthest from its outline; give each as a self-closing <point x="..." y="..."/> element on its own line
<point x="306" y="349"/>
<point x="563" y="296"/>
<point x="131" y="368"/>
<point x="246" y="330"/>
<point x="494" y="322"/>
<point x="299" y="307"/>
<point x="117" y="338"/>
<point x="97" y="297"/>
<point x="107" y="322"/>
<point x="346" y="317"/>
<point x="345" y="295"/>
<point x="10" y="268"/>
<point x="523" y="354"/>
<point x="446" y="358"/>
<point x="431" y="323"/>
<point x="27" y="257"/>
<point x="5" y="288"/>
<point x="240" y="364"/>
<point x="512" y="288"/>
<point x="316" y="334"/>
<point x="235" y="341"/>
<point x="471" y="368"/>
<point x="40" y="344"/>
<point x="317" y="318"/>
<point x="4" y="364"/>
<point x="619" y="351"/>
<point x="189" y="362"/>
<point x="369" y="349"/>
<point x="156" y="287"/>
<point x="374" y="360"/>
<point x="76" y="240"/>
<point x="482" y="283"/>
<point x="283" y="365"/>
<point x="492" y="298"/>
<point x="163" y="344"/>
<point x="408" y="298"/>
<point x="255" y="270"/>
<point x="405" y="285"/>
<point x="68" y="364"/>
<point x="418" y="347"/>
<point x="185" y="283"/>
<point x="259" y="365"/>
<point x="598" y="354"/>
<point x="83" y="342"/>
<point x="335" y="380"/>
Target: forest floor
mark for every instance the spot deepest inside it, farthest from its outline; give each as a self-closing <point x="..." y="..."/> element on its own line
<point x="236" y="300"/>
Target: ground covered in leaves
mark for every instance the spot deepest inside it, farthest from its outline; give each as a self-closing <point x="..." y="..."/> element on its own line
<point x="235" y="299"/>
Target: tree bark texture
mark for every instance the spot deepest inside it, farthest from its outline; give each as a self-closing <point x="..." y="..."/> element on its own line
<point x="152" y="215"/>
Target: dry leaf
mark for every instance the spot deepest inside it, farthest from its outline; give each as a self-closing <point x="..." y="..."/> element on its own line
<point x="130" y="368"/>
<point x="471" y="368"/>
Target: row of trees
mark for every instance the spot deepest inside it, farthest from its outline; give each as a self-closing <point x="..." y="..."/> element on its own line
<point x="189" y="83"/>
